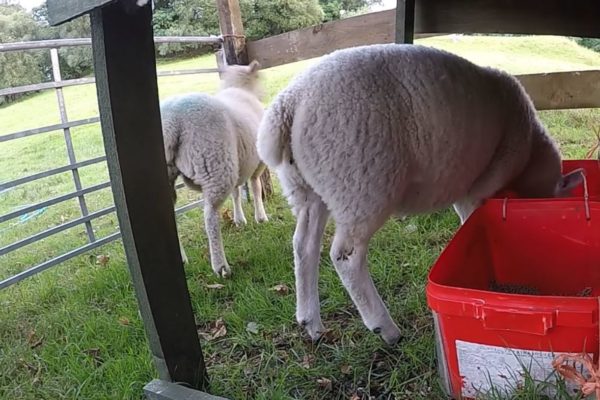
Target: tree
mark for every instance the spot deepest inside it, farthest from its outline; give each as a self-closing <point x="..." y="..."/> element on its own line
<point x="260" y="17"/>
<point x="75" y="62"/>
<point x="18" y="67"/>
<point x="336" y="9"/>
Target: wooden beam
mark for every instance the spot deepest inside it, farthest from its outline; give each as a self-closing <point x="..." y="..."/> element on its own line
<point x="125" y="68"/>
<point x="60" y="11"/>
<point x="540" y="17"/>
<point x="551" y="17"/>
<point x="405" y="21"/>
<point x="321" y="39"/>
<point x="563" y="90"/>
<point x="232" y="30"/>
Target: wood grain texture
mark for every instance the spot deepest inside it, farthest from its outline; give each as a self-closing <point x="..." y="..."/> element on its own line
<point x="125" y="69"/>
<point x="550" y="17"/>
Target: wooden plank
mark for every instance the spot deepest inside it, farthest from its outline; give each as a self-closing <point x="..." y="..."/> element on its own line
<point x="232" y="31"/>
<point x="405" y="21"/>
<point x="321" y="39"/>
<point x="60" y="11"/>
<point x="552" y="17"/>
<point x="125" y="68"/>
<point x="563" y="90"/>
<point x="541" y="17"/>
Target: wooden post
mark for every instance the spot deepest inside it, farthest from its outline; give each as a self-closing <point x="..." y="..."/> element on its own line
<point x="234" y="46"/>
<point x="125" y="68"/>
<point x="405" y="21"/>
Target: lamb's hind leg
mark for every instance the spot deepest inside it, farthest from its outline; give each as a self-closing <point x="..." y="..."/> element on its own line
<point x="259" y="209"/>
<point x="213" y="231"/>
<point x="311" y="218"/>
<point x="238" y="212"/>
<point x="349" y="256"/>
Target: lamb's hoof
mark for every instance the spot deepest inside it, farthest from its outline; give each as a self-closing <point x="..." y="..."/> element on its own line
<point x="391" y="335"/>
<point x="240" y="222"/>
<point x="224" y="271"/>
<point x="261" y="219"/>
<point x="314" y="329"/>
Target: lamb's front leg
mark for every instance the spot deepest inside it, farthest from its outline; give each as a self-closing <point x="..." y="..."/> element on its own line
<point x="213" y="231"/>
<point x="311" y="220"/>
<point x="349" y="256"/>
<point x="259" y="209"/>
<point x="238" y="212"/>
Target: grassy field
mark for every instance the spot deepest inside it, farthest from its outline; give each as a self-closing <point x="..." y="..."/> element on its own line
<point x="73" y="332"/>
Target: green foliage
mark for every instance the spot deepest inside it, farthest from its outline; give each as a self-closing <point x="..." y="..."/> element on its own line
<point x="18" y="68"/>
<point x="260" y="18"/>
<point x="75" y="62"/>
<point x="336" y="9"/>
<point x="590" y="43"/>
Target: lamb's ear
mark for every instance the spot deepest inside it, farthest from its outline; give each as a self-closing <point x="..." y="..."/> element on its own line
<point x="254" y="66"/>
<point x="570" y="181"/>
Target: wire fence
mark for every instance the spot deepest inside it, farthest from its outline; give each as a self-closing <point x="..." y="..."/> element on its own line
<point x="86" y="218"/>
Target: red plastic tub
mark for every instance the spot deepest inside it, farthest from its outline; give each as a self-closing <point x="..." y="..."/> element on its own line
<point x="592" y="174"/>
<point x="484" y="337"/>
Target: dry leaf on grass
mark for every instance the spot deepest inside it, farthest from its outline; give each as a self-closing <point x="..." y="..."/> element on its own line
<point x="227" y="216"/>
<point x="124" y="321"/>
<point x="346" y="369"/>
<point x="281" y="289"/>
<point x="215" y="286"/>
<point x="252" y="327"/>
<point x="325" y="384"/>
<point x="217" y="329"/>
<point x="102" y="260"/>
<point x="308" y="360"/>
<point x="33" y="340"/>
<point x="95" y="355"/>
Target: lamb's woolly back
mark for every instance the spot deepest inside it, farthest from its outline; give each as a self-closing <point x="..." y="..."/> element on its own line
<point x="211" y="142"/>
<point x="376" y="130"/>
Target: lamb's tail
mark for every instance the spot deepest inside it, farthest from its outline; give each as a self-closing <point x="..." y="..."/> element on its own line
<point x="274" y="134"/>
<point x="171" y="141"/>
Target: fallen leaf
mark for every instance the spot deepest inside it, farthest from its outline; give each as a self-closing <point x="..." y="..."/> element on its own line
<point x="346" y="369"/>
<point x="308" y="360"/>
<point x="102" y="259"/>
<point x="124" y="321"/>
<point x="95" y="354"/>
<point x="215" y="286"/>
<point x="227" y="216"/>
<point x="33" y="340"/>
<point x="410" y="228"/>
<point x="281" y="289"/>
<point x="216" y="330"/>
<point x="325" y="384"/>
<point x="252" y="327"/>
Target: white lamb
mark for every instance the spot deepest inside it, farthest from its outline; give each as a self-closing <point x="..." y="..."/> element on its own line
<point x="382" y="130"/>
<point x="211" y="142"/>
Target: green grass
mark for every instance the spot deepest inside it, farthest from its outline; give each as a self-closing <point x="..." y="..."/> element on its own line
<point x="73" y="332"/>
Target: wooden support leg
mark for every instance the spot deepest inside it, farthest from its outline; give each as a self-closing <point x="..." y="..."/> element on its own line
<point x="125" y="67"/>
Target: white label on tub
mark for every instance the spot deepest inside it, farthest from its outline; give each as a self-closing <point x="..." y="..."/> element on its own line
<point x="483" y="367"/>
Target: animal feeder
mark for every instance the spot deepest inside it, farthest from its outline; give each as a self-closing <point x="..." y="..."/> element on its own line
<point x="517" y="286"/>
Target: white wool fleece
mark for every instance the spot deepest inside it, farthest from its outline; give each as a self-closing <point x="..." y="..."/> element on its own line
<point x="373" y="131"/>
